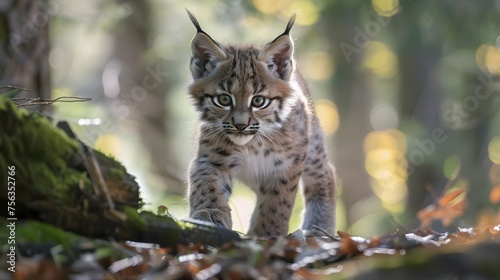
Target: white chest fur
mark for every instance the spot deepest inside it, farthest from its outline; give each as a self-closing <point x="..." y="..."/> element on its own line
<point x="258" y="168"/>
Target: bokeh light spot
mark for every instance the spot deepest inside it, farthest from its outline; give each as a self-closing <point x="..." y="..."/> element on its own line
<point x="382" y="163"/>
<point x="389" y="139"/>
<point x="390" y="190"/>
<point x="495" y="174"/>
<point x="328" y="116"/>
<point x="385" y="162"/>
<point x="319" y="66"/>
<point x="395" y="207"/>
<point x="495" y="194"/>
<point x="488" y="58"/>
<point x="451" y="165"/>
<point x="383" y="116"/>
<point x="380" y="60"/>
<point x="267" y="7"/>
<point x="377" y="140"/>
<point x="386" y="8"/>
<point x="494" y="150"/>
<point x="400" y="139"/>
<point x="109" y="144"/>
<point x="110" y="82"/>
<point x="307" y="12"/>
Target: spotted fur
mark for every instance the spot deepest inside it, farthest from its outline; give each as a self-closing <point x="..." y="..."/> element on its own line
<point x="257" y="125"/>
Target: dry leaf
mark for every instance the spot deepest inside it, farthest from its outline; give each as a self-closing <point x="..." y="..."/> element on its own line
<point x="348" y="246"/>
<point x="450" y="206"/>
<point x="450" y="196"/>
<point x="495" y="194"/>
<point x="343" y="234"/>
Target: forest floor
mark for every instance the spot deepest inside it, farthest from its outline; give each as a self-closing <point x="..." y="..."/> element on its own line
<point x="422" y="254"/>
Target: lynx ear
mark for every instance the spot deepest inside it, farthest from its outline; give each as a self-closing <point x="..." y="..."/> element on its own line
<point x="278" y="54"/>
<point x="207" y="53"/>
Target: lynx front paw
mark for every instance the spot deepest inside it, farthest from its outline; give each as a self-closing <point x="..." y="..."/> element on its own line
<point x="216" y="216"/>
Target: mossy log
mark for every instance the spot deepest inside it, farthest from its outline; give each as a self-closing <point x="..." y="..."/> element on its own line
<point x="60" y="180"/>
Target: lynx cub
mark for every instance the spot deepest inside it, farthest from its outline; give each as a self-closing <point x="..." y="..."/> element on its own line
<point x="257" y="125"/>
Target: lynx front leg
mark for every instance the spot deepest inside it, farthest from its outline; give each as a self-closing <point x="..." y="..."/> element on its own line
<point x="209" y="191"/>
<point x="274" y="207"/>
<point x="319" y="186"/>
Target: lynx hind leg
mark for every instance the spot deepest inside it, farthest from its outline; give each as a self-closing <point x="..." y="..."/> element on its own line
<point x="319" y="187"/>
<point x="274" y="208"/>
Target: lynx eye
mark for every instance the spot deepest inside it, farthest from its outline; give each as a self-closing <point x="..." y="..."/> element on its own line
<point x="223" y="100"/>
<point x="259" y="101"/>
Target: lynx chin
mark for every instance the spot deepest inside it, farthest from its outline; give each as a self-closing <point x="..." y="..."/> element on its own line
<point x="257" y="125"/>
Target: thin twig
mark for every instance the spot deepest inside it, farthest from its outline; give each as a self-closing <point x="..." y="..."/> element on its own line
<point x="46" y="102"/>
<point x="432" y="192"/>
<point x="325" y="233"/>
<point x="41" y="101"/>
<point x="14" y="87"/>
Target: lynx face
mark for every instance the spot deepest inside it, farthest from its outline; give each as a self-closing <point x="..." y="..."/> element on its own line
<point x="242" y="92"/>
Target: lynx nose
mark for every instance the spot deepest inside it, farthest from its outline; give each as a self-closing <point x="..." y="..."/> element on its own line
<point x="239" y="122"/>
<point x="240" y="126"/>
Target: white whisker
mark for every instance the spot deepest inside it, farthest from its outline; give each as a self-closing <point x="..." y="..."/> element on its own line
<point x="283" y="135"/>
<point x="271" y="139"/>
<point x="214" y="132"/>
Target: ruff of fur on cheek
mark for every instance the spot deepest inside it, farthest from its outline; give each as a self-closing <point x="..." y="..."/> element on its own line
<point x="290" y="101"/>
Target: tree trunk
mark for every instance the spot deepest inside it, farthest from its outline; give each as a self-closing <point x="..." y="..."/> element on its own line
<point x="24" y="45"/>
<point x="353" y="96"/>
<point x="143" y="86"/>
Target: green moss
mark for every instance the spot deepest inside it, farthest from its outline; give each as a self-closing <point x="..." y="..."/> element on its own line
<point x="32" y="232"/>
<point x="43" y="156"/>
<point x="116" y="174"/>
<point x="134" y="218"/>
<point x="35" y="232"/>
<point x="42" y="233"/>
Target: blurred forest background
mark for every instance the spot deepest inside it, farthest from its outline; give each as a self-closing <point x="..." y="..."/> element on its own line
<point x="407" y="91"/>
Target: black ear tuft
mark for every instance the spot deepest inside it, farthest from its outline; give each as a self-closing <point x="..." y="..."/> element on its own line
<point x="278" y="54"/>
<point x="207" y="53"/>
<point x="194" y="21"/>
<point x="289" y="25"/>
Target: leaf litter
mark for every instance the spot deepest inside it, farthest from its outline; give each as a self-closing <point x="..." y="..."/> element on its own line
<point x="293" y="257"/>
<point x="297" y="256"/>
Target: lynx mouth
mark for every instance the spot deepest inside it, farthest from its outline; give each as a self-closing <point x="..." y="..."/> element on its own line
<point x="240" y="138"/>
